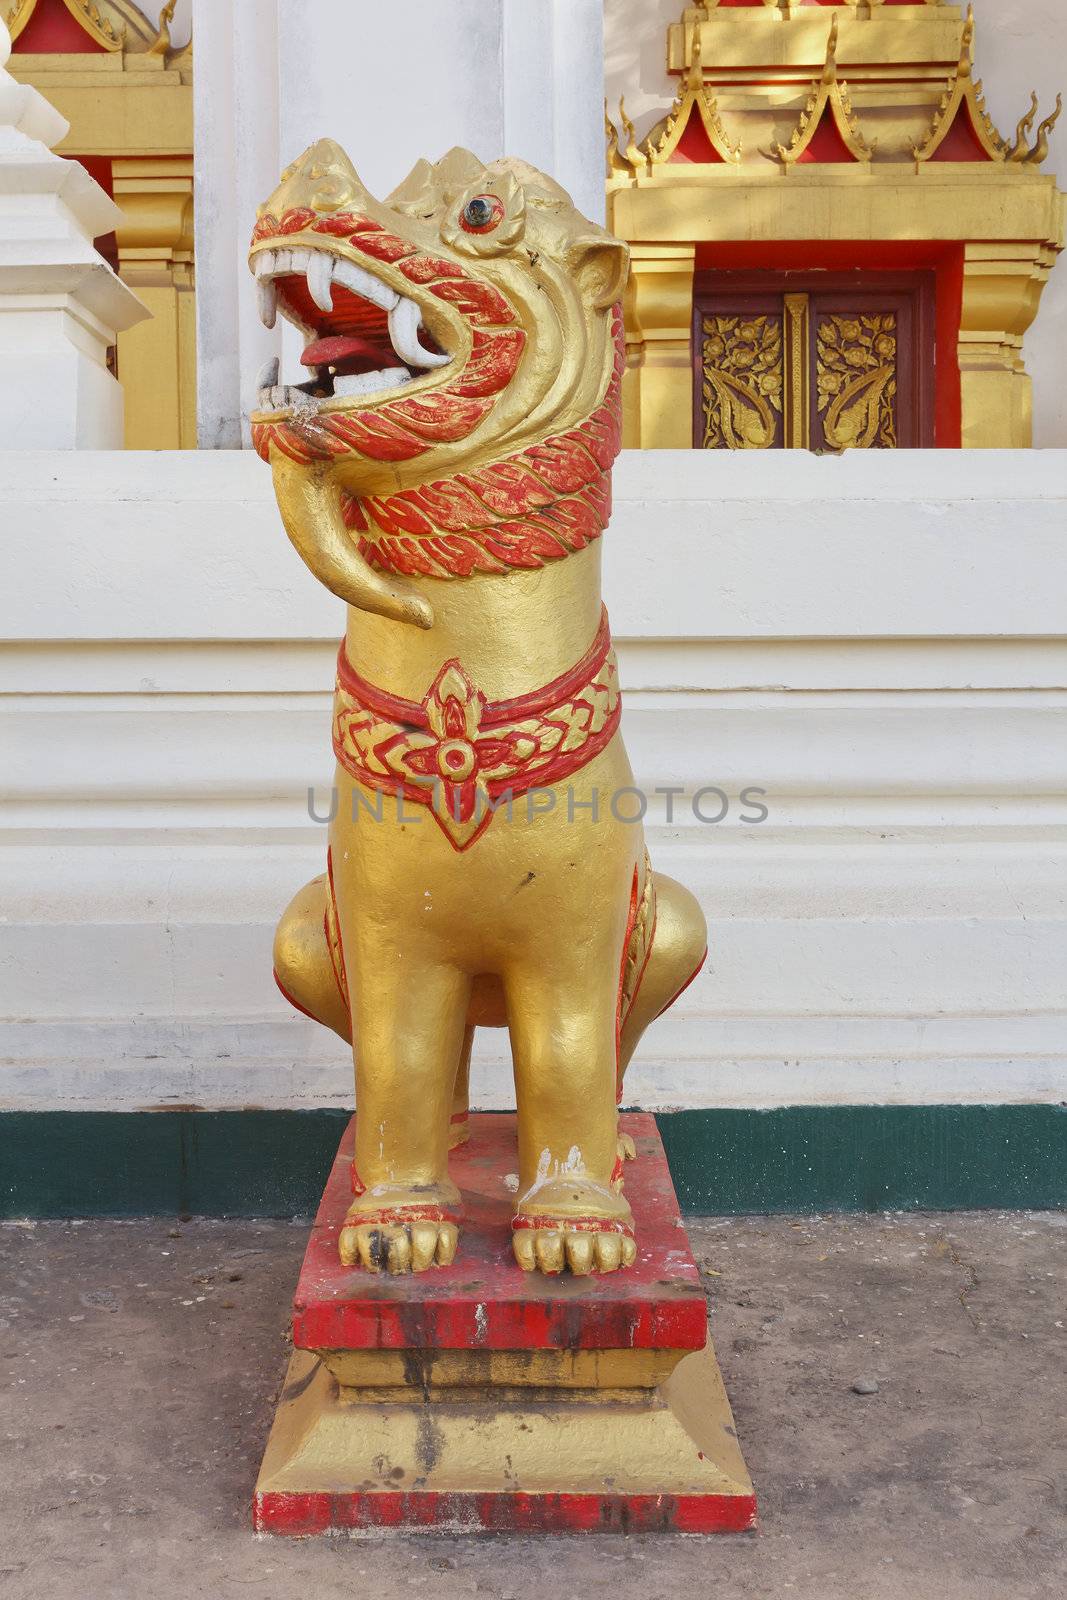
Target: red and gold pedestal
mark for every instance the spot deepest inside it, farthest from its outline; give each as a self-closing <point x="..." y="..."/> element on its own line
<point x="479" y="1398"/>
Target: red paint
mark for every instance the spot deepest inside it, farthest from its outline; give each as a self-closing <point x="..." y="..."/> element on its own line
<point x="52" y="30"/>
<point x="484" y="1300"/>
<point x="526" y="1224"/>
<point x="694" y="145"/>
<point x="961" y="143"/>
<point x="501" y="1511"/>
<point x="827" y="145"/>
<point x="943" y="257"/>
<point x="387" y="1215"/>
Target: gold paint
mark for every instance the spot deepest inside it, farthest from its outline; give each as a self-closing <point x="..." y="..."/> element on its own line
<point x="678" y="1439"/>
<point x="797" y="423"/>
<point x="741" y="387"/>
<point x="529" y="924"/>
<point x="904" y="66"/>
<point x="157" y="359"/>
<point x="615" y="163"/>
<point x="856" y="380"/>
<point x="1040" y="150"/>
<point x="434" y="1370"/>
<point x="658" y="384"/>
<point x="636" y="158"/>
<point x="1021" y="147"/>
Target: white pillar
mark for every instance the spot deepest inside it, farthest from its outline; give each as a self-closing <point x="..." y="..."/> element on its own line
<point x="391" y="84"/>
<point x="61" y="306"/>
<point x="553" y="61"/>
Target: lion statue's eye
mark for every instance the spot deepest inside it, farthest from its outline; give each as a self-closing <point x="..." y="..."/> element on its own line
<point x="482" y="214"/>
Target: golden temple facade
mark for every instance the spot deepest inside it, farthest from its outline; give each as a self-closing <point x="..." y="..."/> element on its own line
<point x="832" y="245"/>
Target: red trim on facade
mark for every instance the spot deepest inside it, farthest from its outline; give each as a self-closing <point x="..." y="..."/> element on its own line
<point x="827" y="148"/>
<point x="961" y="142"/>
<point x="52" y="31"/>
<point x="694" y="146"/>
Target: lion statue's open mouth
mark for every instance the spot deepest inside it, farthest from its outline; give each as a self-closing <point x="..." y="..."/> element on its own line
<point x="364" y="336"/>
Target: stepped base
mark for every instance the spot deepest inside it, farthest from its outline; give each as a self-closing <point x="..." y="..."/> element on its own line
<point x="477" y="1397"/>
<point x="503" y="1461"/>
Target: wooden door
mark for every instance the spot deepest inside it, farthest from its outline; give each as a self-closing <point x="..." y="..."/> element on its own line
<point x="813" y="361"/>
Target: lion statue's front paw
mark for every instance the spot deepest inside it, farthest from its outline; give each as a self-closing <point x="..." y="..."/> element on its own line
<point x="403" y="1230"/>
<point x="398" y="1246"/>
<point x="548" y="1249"/>
<point x="573" y="1223"/>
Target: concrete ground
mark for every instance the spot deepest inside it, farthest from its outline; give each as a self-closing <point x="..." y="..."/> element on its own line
<point x="140" y="1362"/>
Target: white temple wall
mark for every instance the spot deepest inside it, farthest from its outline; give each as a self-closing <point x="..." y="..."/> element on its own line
<point x="1020" y="45"/>
<point x="877" y="641"/>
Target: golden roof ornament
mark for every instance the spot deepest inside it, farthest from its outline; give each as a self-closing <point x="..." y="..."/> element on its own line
<point x="692" y="95"/>
<point x="963" y="98"/>
<point x="831" y="96"/>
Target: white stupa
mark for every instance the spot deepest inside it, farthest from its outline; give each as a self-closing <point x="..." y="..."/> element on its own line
<point x="61" y="305"/>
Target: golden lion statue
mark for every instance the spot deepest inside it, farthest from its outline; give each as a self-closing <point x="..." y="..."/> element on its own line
<point x="445" y="469"/>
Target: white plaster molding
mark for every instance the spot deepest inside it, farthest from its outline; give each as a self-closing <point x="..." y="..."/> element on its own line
<point x="877" y="641"/>
<point x="25" y="114"/>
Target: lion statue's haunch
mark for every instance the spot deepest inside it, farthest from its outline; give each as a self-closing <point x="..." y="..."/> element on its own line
<point x="445" y="469"/>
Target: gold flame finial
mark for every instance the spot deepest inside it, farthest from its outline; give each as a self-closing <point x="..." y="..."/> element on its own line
<point x="1022" y="132"/>
<point x="1040" y="150"/>
<point x="694" y="78"/>
<point x="829" y="71"/>
<point x="161" y="44"/>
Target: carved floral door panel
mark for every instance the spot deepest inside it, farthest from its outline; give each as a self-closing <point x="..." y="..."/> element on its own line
<point x="813" y="361"/>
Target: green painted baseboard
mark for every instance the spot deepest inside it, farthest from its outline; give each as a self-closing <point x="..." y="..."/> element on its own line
<point x="797" y="1159"/>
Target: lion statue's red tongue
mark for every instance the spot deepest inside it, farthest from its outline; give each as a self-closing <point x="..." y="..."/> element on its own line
<point x="347" y="353"/>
